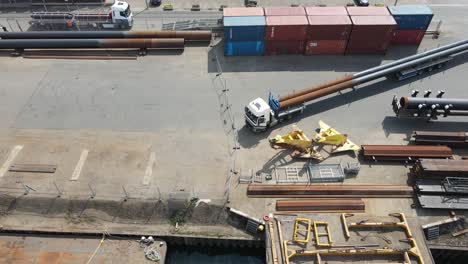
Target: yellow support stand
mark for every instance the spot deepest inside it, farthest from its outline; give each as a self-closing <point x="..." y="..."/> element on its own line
<point x="327" y="234"/>
<point x="297" y="230"/>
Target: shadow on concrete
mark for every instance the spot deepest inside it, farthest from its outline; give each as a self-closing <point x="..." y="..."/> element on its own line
<point x="337" y="63"/>
<point x="396" y="125"/>
<point x="248" y="139"/>
<point x="278" y="160"/>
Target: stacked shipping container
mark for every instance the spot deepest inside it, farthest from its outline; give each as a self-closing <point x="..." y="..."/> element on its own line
<point x="372" y="31"/>
<point x="329" y="30"/>
<point x="286" y="30"/>
<point x="244" y="31"/>
<point x="412" y="23"/>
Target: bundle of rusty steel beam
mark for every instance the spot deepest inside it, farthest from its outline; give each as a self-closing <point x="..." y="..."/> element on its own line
<point x="453" y="139"/>
<point x="148" y="34"/>
<point x="404" y="153"/>
<point x="321" y="205"/>
<point x="101" y="39"/>
<point x="439" y="169"/>
<point x="329" y="191"/>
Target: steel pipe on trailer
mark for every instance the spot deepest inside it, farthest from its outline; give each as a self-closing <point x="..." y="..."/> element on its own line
<point x="369" y="77"/>
<point x="374" y="70"/>
<point x="187" y="35"/>
<point x="177" y="43"/>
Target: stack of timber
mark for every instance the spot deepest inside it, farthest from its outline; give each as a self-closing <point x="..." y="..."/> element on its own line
<point x="441" y="184"/>
<point x="321" y="205"/>
<point x="404" y="153"/>
<point x="453" y="139"/>
<point x="329" y="191"/>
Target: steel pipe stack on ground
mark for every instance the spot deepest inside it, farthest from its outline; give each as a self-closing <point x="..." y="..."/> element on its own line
<point x="413" y="103"/>
<point x="142" y="43"/>
<point x="187" y="35"/>
<point x="370" y="74"/>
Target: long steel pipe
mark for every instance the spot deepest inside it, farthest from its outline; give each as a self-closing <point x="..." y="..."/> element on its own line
<point x="369" y="77"/>
<point x="187" y="35"/>
<point x="414" y="102"/>
<point x="177" y="43"/>
<point x="373" y="70"/>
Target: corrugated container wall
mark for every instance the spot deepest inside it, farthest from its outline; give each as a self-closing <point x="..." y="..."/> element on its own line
<point x="407" y="37"/>
<point x="277" y="47"/>
<point x="325" y="47"/>
<point x="367" y="11"/>
<point x="329" y="28"/>
<point x="326" y="11"/>
<point x="370" y="34"/>
<point x="243" y="11"/>
<point x="244" y="28"/>
<point x="286" y="28"/>
<point x="243" y="48"/>
<point x="285" y="11"/>
<point x="412" y="17"/>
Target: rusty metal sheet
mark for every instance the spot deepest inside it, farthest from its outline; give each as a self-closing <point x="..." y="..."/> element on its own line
<point x="321" y="205"/>
<point x="402" y="152"/>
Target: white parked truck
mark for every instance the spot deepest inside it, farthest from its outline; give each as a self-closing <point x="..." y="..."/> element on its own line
<point x="261" y="115"/>
<point x="119" y="16"/>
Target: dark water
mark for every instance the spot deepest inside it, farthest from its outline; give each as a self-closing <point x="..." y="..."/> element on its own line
<point x="208" y="255"/>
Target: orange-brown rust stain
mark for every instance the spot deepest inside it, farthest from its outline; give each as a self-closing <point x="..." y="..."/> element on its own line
<point x="14" y="252"/>
<point x="48" y="257"/>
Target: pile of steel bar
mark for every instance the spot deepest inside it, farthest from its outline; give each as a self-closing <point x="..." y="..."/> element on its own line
<point x="374" y="73"/>
<point x="404" y="153"/>
<point x="438" y="169"/>
<point x="455" y="139"/>
<point x="329" y="191"/>
<point x="321" y="205"/>
<point x="150" y="34"/>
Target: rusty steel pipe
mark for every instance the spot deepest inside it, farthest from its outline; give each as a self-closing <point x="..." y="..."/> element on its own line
<point x="316" y="94"/>
<point x="316" y="88"/>
<point x="177" y="43"/>
<point x="187" y="35"/>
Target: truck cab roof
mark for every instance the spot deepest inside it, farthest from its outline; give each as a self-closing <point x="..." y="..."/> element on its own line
<point x="258" y="106"/>
<point x="120" y="6"/>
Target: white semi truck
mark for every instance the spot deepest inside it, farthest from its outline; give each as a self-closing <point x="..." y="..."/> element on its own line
<point x="261" y="115"/>
<point x="119" y="16"/>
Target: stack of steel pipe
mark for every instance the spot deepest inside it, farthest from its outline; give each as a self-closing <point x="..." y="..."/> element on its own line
<point x="101" y="39"/>
<point x="439" y="169"/>
<point x="374" y="73"/>
<point x="447" y="106"/>
<point x="404" y="153"/>
<point x="321" y="205"/>
<point x="329" y="191"/>
<point x="455" y="139"/>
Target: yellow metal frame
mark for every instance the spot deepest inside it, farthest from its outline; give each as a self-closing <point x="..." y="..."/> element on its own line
<point x="327" y="234"/>
<point x="297" y="229"/>
<point x="330" y="136"/>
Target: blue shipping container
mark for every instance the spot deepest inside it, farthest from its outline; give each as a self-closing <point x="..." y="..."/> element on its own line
<point x="242" y="48"/>
<point x="412" y="17"/>
<point x="244" y="28"/>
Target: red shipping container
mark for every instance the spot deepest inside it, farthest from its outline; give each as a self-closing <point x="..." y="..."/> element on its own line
<point x="329" y="28"/>
<point x="243" y="11"/>
<point x="284" y="47"/>
<point x="286" y="28"/>
<point x="285" y="11"/>
<point x="370" y="34"/>
<point x="326" y="11"/>
<point x="328" y="47"/>
<point x="407" y="37"/>
<point x="368" y="11"/>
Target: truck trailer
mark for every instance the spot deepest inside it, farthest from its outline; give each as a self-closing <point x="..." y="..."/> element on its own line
<point x="261" y="115"/>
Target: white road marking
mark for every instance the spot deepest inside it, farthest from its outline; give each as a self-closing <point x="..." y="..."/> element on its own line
<point x="14" y="152"/>
<point x="79" y="165"/>
<point x="149" y="169"/>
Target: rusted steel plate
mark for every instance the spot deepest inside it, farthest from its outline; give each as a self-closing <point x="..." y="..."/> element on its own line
<point x="39" y="168"/>
<point x="329" y="191"/>
<point x="401" y="152"/>
<point x="439" y="169"/>
<point x="321" y="205"/>
<point x="445" y="138"/>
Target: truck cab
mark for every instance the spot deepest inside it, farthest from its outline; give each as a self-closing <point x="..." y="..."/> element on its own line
<point x="122" y="16"/>
<point x="258" y="115"/>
